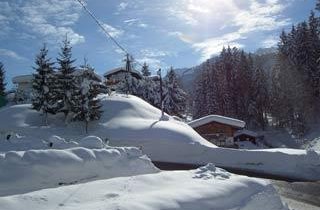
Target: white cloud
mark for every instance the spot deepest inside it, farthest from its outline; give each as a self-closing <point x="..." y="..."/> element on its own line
<point x="114" y="32"/>
<point x="214" y="45"/>
<point x="122" y="6"/>
<point x="11" y="54"/>
<point x="154" y="53"/>
<point x="5" y="17"/>
<point x="261" y="17"/>
<point x="136" y="22"/>
<point x="49" y="20"/>
<point x="152" y="62"/>
<point x="232" y="21"/>
<point x="270" y="41"/>
<point x="183" y="37"/>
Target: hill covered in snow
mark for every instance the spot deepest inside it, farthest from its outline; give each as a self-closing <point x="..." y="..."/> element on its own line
<point x="130" y="121"/>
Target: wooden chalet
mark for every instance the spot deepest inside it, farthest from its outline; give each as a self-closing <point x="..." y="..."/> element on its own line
<point x="116" y="75"/>
<point x="246" y="135"/>
<point x="218" y="129"/>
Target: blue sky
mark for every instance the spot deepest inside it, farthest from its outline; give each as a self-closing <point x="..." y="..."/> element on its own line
<point x="163" y="33"/>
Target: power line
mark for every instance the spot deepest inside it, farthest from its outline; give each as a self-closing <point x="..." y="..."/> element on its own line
<point x="107" y="33"/>
<point x="101" y="26"/>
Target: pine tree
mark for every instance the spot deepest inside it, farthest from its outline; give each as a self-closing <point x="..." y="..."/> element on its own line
<point x="2" y="80"/>
<point x="145" y="70"/>
<point x="87" y="106"/>
<point x="44" y="96"/>
<point x="66" y="81"/>
<point x="174" y="98"/>
<point x="318" y="5"/>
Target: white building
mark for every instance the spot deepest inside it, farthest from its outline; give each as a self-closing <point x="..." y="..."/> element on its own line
<point x="23" y="85"/>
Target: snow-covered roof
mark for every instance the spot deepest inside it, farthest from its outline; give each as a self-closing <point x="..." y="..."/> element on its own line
<point x="246" y="132"/>
<point x="154" y="77"/>
<point x="108" y="73"/>
<point x="22" y="78"/>
<point x="219" y="119"/>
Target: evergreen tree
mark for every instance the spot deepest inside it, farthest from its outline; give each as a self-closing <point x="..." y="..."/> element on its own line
<point x="66" y="82"/>
<point x="87" y="106"/>
<point x="2" y="80"/>
<point x="174" y="97"/>
<point x="145" y="70"/>
<point x="259" y="97"/>
<point x="44" y="95"/>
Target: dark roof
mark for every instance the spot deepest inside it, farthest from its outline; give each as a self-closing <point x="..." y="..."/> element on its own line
<point x="112" y="72"/>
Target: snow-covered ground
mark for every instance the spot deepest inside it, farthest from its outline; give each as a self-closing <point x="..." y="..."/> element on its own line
<point x="205" y="188"/>
<point x="26" y="171"/>
<point x="130" y="121"/>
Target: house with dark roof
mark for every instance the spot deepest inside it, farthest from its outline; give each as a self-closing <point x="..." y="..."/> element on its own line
<point x="116" y="75"/>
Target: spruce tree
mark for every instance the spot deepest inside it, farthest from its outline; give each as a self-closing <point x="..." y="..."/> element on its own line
<point x="87" y="106"/>
<point x="2" y="80"/>
<point x="145" y="70"/>
<point x="44" y="95"/>
<point x="66" y="82"/>
<point x="174" y="97"/>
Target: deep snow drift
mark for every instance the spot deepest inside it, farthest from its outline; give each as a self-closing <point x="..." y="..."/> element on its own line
<point x="31" y="170"/>
<point x="130" y="121"/>
<point x="205" y="188"/>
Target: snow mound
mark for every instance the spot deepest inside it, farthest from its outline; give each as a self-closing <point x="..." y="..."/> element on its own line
<point x="22" y="172"/>
<point x="92" y="142"/>
<point x="210" y="171"/>
<point x="56" y="142"/>
<point x="159" y="191"/>
<point x="126" y="121"/>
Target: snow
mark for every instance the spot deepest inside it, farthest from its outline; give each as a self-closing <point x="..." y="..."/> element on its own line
<point x="219" y="119"/>
<point x="92" y="142"/>
<point x="204" y="188"/>
<point x="31" y="170"/>
<point x="130" y="121"/>
<point x="246" y="132"/>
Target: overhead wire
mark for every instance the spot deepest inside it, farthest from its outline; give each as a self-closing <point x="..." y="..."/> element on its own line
<point x="106" y="32"/>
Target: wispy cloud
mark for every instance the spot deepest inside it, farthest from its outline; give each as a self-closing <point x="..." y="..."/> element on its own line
<point x="114" y="32"/>
<point x="49" y="20"/>
<point x="11" y="54"/>
<point x="270" y="41"/>
<point x="235" y="22"/>
<point x="214" y="45"/>
<point x="153" y="57"/>
<point x="122" y="6"/>
<point x="136" y="22"/>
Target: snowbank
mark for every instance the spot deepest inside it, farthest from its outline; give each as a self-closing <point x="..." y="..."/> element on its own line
<point x="38" y="169"/>
<point x="205" y="188"/>
<point x="130" y="121"/>
<point x="125" y="118"/>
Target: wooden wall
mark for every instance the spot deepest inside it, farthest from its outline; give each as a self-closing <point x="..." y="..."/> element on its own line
<point x="215" y="128"/>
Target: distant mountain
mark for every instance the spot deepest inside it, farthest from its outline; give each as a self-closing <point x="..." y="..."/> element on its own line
<point x="268" y="57"/>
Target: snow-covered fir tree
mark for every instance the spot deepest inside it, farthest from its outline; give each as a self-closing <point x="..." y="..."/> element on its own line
<point x="129" y="85"/>
<point x="2" y="80"/>
<point x="87" y="106"/>
<point x="66" y="82"/>
<point x="174" y="98"/>
<point x="145" y="70"/>
<point x="44" y="95"/>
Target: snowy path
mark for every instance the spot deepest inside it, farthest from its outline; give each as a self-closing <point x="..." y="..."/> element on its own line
<point x="205" y="188"/>
<point x="301" y="195"/>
